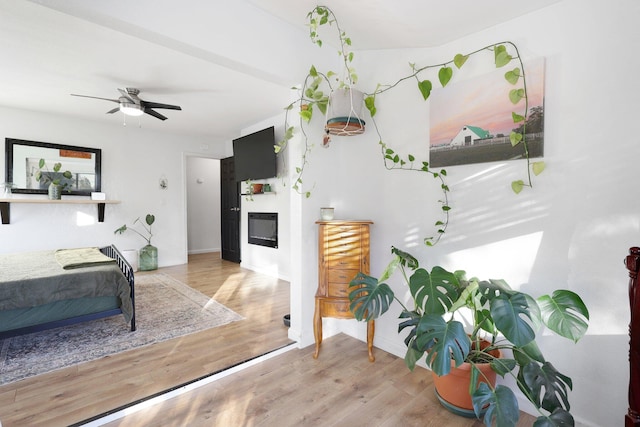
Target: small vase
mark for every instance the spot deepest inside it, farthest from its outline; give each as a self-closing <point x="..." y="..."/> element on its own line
<point x="148" y="258"/>
<point x="55" y="191"/>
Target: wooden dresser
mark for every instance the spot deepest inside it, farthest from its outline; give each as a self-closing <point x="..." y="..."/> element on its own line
<point x="343" y="251"/>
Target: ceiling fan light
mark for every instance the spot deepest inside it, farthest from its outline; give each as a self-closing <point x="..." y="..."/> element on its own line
<point x="131" y="109"/>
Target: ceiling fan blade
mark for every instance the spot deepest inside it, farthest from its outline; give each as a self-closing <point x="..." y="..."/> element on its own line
<point x="158" y="105"/>
<point x="115" y="110"/>
<point x="154" y="114"/>
<point x="126" y="95"/>
<point x="95" y="97"/>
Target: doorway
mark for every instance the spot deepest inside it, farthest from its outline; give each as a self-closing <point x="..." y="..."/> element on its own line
<point x="202" y="186"/>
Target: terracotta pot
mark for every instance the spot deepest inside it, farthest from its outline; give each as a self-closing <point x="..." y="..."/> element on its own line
<point x="453" y="389"/>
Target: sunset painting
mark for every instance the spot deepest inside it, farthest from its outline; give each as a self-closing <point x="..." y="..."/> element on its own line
<point x="471" y="120"/>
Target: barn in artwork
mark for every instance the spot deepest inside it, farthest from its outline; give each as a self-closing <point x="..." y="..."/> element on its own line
<point x="469" y="135"/>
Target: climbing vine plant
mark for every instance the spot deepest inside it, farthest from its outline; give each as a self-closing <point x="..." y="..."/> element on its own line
<point x="313" y="96"/>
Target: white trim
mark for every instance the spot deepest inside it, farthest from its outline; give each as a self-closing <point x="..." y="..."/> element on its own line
<point x="189" y="387"/>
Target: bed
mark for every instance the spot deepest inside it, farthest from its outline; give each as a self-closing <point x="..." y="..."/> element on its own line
<point x="632" y="418"/>
<point x="49" y="289"/>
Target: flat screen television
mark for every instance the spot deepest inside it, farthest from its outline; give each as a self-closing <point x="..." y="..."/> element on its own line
<point x="254" y="155"/>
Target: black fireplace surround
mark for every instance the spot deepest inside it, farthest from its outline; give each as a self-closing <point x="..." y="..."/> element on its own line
<point x="263" y="229"/>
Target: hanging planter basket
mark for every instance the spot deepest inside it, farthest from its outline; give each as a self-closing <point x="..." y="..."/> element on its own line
<point x="344" y="112"/>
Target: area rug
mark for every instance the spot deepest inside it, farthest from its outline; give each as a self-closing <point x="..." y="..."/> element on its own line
<point x="165" y="308"/>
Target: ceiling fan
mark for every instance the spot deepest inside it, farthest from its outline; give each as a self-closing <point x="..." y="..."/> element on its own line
<point x="131" y="105"/>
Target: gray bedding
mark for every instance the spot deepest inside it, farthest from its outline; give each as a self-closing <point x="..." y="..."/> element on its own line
<point x="36" y="278"/>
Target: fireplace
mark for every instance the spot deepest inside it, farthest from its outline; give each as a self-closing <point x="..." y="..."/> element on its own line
<point x="263" y="229"/>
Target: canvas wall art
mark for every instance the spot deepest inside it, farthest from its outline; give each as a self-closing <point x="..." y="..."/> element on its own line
<point x="471" y="120"/>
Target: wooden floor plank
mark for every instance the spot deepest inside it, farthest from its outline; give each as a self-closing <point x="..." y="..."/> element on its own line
<point x="340" y="388"/>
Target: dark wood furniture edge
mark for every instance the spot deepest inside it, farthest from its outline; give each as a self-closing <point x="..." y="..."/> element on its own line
<point x="632" y="262"/>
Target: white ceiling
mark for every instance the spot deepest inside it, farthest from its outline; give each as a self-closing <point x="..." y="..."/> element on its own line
<point x="228" y="64"/>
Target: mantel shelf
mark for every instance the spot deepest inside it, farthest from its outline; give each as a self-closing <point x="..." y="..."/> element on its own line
<point x="6" y="203"/>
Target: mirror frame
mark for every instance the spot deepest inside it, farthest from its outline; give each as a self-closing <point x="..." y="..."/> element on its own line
<point x="9" y="160"/>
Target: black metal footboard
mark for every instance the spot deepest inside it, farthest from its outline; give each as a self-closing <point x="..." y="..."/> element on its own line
<point x="112" y="252"/>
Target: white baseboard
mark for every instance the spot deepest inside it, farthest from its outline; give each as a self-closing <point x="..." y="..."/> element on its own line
<point x="202" y="251"/>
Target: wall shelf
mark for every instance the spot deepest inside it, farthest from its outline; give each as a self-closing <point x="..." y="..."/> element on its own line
<point x="5" y="205"/>
<point x="258" y="194"/>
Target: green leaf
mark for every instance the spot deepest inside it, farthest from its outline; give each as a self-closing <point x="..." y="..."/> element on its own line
<point x="515" y="95"/>
<point x="559" y="417"/>
<point x="369" y="298"/>
<point x="444" y="75"/>
<point x="306" y="114"/>
<point x="515" y="138"/>
<point x="535" y="378"/>
<point x="503" y="406"/>
<point x="509" y="313"/>
<point x="512" y="76"/>
<point x="538" y="167"/>
<point x="56" y="167"/>
<point x="517" y="118"/>
<point x="434" y="292"/>
<point x="459" y="60"/>
<point x="150" y="219"/>
<point x="502" y="58"/>
<point x="370" y="102"/>
<point x="411" y="157"/>
<point x="313" y="72"/>
<point x="406" y="259"/>
<point x="502" y="366"/>
<point x="391" y="267"/>
<point x="565" y="313"/>
<point x="528" y="353"/>
<point x="442" y="341"/>
<point x="425" y="87"/>
<point x="411" y="357"/>
<point x="121" y="229"/>
<point x="322" y="105"/>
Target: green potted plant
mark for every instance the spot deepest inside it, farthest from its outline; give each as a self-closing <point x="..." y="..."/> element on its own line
<point x="148" y="254"/>
<point x="56" y="184"/>
<point x="501" y="320"/>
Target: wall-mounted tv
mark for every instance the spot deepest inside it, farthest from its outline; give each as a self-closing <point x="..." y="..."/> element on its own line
<point x="254" y="156"/>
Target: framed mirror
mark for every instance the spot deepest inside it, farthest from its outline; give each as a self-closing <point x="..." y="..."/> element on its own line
<point x="22" y="160"/>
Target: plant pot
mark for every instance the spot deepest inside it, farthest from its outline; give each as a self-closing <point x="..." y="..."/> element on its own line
<point x="344" y="112"/>
<point x="148" y="258"/>
<point x="54" y="191"/>
<point x="452" y="389"/>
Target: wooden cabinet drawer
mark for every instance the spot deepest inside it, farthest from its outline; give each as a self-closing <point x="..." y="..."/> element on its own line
<point x="342" y="276"/>
<point x="340" y="290"/>
<point x="337" y="308"/>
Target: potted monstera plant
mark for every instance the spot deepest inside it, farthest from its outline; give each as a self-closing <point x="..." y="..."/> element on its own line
<point x="500" y="335"/>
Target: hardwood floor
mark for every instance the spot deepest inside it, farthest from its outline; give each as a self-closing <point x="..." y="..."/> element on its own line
<point x="340" y="388"/>
<point x="74" y="394"/>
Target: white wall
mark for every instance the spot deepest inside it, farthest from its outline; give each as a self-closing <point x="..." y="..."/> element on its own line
<point x="572" y="230"/>
<point x="203" y="205"/>
<point x="133" y="162"/>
